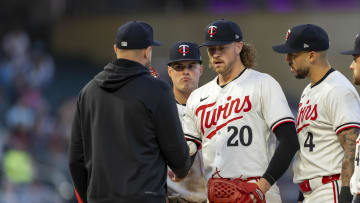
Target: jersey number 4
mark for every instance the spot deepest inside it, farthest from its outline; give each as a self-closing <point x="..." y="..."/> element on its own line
<point x="244" y="131"/>
<point x="309" y="142"/>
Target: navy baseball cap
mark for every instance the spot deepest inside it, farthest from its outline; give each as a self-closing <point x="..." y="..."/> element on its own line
<point x="135" y="35"/>
<point x="356" y="49"/>
<point x="221" y="32"/>
<point x="307" y="37"/>
<point x="184" y="51"/>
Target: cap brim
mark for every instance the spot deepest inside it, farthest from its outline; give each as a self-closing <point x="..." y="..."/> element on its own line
<point x="215" y="43"/>
<point x="351" y="52"/>
<point x="156" y="43"/>
<point x="185" y="59"/>
<point x="284" y="49"/>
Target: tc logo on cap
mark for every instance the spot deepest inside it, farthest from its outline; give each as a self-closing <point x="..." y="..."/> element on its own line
<point x="212" y="30"/>
<point x="184" y="49"/>
<point x="287" y="34"/>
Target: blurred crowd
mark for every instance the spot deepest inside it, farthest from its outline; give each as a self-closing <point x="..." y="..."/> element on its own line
<point x="33" y="133"/>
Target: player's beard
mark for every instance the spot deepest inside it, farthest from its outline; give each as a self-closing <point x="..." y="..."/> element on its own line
<point x="356" y="79"/>
<point x="227" y="68"/>
<point x="301" y="73"/>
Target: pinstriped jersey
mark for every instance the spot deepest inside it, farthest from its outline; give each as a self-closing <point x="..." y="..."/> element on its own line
<point x="355" y="178"/>
<point x="325" y="109"/>
<point x="233" y="123"/>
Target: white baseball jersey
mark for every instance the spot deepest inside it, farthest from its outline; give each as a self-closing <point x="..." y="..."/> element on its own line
<point x="193" y="186"/>
<point x="355" y="178"/>
<point x="325" y="109"/>
<point x="233" y="123"/>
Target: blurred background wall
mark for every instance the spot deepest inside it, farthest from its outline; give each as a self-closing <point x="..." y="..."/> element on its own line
<point x="49" y="49"/>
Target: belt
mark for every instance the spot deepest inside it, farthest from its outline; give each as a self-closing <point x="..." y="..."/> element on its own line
<point x="305" y="186"/>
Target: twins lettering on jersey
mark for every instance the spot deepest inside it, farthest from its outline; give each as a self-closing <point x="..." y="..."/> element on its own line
<point x="210" y="116"/>
<point x="305" y="113"/>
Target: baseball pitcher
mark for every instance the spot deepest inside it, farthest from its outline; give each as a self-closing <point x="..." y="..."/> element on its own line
<point x="231" y="119"/>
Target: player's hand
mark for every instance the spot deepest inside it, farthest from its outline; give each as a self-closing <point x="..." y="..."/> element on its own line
<point x="192" y="147"/>
<point x="345" y="195"/>
<point x="264" y="185"/>
<point x="253" y="198"/>
<point x="173" y="177"/>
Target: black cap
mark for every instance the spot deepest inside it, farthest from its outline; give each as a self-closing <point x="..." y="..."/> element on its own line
<point x="305" y="37"/>
<point x="356" y="49"/>
<point x="221" y="32"/>
<point x="184" y="51"/>
<point x="135" y="35"/>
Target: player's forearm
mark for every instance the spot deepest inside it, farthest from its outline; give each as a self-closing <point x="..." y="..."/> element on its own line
<point x="179" y="175"/>
<point x="347" y="140"/>
<point x="183" y="171"/>
<point x="288" y="145"/>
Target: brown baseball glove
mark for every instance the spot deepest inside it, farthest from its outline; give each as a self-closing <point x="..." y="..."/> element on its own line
<point x="223" y="190"/>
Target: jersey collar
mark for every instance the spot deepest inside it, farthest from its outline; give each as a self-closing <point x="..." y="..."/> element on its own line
<point x="323" y="78"/>
<point x="180" y="104"/>
<point x="222" y="86"/>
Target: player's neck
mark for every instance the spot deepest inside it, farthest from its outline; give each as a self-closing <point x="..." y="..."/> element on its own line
<point x="318" y="72"/>
<point x="227" y="77"/>
<point x="181" y="97"/>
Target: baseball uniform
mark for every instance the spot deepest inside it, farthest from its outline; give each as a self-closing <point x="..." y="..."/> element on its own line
<point x="355" y="179"/>
<point x="193" y="187"/>
<point x="325" y="109"/>
<point x="233" y="125"/>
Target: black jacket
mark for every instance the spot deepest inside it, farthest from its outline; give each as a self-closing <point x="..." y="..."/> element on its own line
<point x="125" y="130"/>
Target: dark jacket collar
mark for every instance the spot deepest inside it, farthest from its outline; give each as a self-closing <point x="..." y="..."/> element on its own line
<point x="118" y="73"/>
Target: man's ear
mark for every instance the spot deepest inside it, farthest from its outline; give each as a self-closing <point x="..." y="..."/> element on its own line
<point x="313" y="56"/>
<point x="201" y="70"/>
<point x="239" y="47"/>
<point x="147" y="52"/>
<point x="115" y="49"/>
<point x="169" y="71"/>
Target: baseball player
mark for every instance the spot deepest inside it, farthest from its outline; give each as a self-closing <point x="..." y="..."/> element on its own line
<point x="185" y="69"/>
<point x="231" y="119"/>
<point x="328" y="119"/>
<point x="355" y="67"/>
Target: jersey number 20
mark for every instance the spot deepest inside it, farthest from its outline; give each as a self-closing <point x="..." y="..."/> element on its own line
<point x="245" y="128"/>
